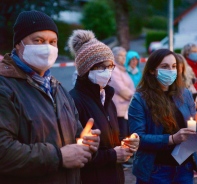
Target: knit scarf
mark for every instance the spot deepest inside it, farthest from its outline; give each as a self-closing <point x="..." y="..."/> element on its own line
<point x="43" y="82"/>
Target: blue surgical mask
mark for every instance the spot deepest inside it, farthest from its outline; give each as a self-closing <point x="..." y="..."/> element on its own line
<point x="166" y="77"/>
<point x="193" y="56"/>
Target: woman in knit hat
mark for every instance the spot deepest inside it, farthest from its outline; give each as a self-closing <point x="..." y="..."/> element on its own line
<point x="124" y="90"/>
<point x="93" y="99"/>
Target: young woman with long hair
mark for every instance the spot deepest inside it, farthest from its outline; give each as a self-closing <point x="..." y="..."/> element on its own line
<point x="159" y="112"/>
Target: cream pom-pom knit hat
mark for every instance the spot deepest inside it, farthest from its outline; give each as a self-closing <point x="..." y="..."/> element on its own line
<point x="88" y="50"/>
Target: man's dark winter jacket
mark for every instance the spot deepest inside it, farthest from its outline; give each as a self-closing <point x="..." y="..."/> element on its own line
<point x="103" y="169"/>
<point x="33" y="129"/>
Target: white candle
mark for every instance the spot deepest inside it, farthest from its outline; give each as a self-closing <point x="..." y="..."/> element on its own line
<point x="191" y="124"/>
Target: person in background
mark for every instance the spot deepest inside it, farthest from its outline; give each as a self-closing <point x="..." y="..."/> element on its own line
<point x="132" y="66"/>
<point x="124" y="90"/>
<point x="187" y="74"/>
<point x="189" y="51"/>
<point x="38" y="119"/>
<point x="159" y="112"/>
<point x="93" y="98"/>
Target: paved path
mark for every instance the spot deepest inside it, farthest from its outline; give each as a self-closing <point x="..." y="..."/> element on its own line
<point x="129" y="177"/>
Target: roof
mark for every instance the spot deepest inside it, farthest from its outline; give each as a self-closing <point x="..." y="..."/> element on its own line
<point x="185" y="13"/>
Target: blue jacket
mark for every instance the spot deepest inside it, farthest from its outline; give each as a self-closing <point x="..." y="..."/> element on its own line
<point x="152" y="138"/>
<point x="137" y="76"/>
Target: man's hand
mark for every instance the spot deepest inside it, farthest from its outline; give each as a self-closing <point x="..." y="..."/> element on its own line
<point x="93" y="141"/>
<point x="91" y="137"/>
<point x="75" y="156"/>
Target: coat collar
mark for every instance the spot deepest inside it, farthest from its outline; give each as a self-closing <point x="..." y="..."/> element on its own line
<point x="93" y="90"/>
<point x="8" y="68"/>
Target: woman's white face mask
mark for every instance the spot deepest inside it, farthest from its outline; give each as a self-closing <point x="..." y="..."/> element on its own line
<point x="100" y="77"/>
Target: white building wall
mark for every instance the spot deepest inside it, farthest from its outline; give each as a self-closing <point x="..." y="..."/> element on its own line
<point x="188" y="24"/>
<point x="69" y="16"/>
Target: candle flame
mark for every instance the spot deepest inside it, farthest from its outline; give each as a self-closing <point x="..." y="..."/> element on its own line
<point x="79" y="141"/>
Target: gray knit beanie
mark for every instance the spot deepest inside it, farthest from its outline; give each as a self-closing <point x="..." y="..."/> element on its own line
<point x="88" y="50"/>
<point x="29" y="22"/>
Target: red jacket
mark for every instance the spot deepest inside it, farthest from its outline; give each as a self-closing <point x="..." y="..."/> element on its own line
<point x="194" y="68"/>
<point x="193" y="65"/>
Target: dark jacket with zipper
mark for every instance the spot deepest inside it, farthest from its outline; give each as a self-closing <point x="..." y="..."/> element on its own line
<point x="33" y="128"/>
<point x="103" y="169"/>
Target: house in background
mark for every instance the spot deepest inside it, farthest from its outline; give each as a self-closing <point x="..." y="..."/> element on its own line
<point x="74" y="14"/>
<point x="187" y="22"/>
<point x="69" y="16"/>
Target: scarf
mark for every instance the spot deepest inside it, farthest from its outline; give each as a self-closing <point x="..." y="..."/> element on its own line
<point x="43" y="82"/>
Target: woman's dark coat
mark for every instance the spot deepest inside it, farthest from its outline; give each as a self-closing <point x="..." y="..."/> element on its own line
<point x="103" y="169"/>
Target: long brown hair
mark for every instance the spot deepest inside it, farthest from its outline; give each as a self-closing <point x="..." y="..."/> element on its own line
<point x="159" y="104"/>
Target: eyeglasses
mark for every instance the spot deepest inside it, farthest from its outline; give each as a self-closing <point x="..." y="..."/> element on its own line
<point x="102" y="68"/>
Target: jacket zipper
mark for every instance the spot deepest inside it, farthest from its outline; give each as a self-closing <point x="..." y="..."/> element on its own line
<point x="111" y="129"/>
<point x="108" y="119"/>
<point x="55" y="110"/>
<point x="118" y="172"/>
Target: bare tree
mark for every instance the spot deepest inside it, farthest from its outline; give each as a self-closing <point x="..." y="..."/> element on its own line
<point x="122" y="22"/>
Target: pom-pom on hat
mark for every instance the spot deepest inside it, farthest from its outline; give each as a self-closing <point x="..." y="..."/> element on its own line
<point x="88" y="50"/>
<point x="29" y="22"/>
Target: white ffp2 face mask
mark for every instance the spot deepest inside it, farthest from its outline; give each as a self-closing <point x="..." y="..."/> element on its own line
<point x="42" y="57"/>
<point x="100" y="77"/>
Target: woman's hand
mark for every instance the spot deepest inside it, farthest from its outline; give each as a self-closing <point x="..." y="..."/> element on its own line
<point x="132" y="142"/>
<point x="123" y="154"/>
<point x="181" y="136"/>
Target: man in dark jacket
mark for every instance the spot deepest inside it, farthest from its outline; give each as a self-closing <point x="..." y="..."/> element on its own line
<point x="38" y="119"/>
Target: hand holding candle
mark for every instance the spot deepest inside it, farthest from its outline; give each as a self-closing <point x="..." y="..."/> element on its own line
<point x="191" y="124"/>
<point x="90" y="137"/>
<point x="132" y="142"/>
<point x="86" y="131"/>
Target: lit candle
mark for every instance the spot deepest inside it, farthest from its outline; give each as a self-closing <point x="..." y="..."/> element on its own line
<point x="79" y="141"/>
<point x="133" y="136"/>
<point x="191" y="124"/>
<point x="122" y="144"/>
<point x="126" y="139"/>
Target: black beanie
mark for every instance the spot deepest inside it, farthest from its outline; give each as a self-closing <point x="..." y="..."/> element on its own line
<point x="29" y="22"/>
